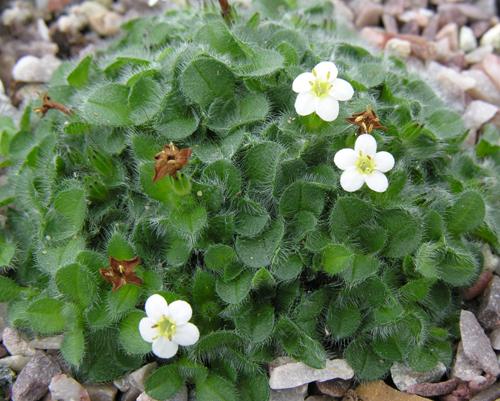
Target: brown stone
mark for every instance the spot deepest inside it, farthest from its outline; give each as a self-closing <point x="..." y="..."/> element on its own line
<point x="410" y="28"/>
<point x="101" y="392"/>
<point x="432" y="27"/>
<point x="390" y="23"/>
<point x="334" y="388"/>
<point x="369" y="14"/>
<point x="491" y="65"/>
<point x="449" y="32"/>
<point x="379" y="391"/>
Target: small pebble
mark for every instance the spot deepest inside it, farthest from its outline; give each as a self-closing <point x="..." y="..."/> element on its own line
<point x="468" y="41"/>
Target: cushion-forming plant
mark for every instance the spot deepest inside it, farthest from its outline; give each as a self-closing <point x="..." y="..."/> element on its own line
<point x="175" y="163"/>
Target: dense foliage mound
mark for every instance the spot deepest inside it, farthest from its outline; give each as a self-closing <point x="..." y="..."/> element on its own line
<point x="254" y="230"/>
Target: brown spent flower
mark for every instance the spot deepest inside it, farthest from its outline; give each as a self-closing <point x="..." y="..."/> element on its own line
<point x="121" y="272"/>
<point x="366" y="121"/>
<point x="170" y="160"/>
<point x="48" y="104"/>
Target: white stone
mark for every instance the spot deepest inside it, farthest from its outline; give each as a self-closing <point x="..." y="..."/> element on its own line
<point x="64" y="388"/>
<point x="42" y="29"/>
<point x="72" y="23"/>
<point x="15" y="362"/>
<point x="102" y="21"/>
<point x="290" y="374"/>
<point x="54" y="342"/>
<point x="477" y="55"/>
<point x="404" y="377"/>
<point x="492" y="37"/>
<point x="398" y="47"/>
<point x="182" y="395"/>
<point x="478" y="113"/>
<point x="14" y="342"/>
<point x="421" y="16"/>
<point x="467" y="39"/>
<point x="35" y="69"/>
<point x="290" y="394"/>
<point x="483" y="88"/>
<point x="19" y="14"/>
<point x="494" y="338"/>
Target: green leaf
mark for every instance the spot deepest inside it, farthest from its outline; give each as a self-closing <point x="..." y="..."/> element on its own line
<point x="366" y="363"/>
<point x="261" y="162"/>
<point x="219" y="256"/>
<point x="255" y="323"/>
<point x="119" y="247"/>
<point x="343" y="321"/>
<point x="79" y="77"/>
<point x="336" y="258"/>
<point x="347" y="215"/>
<point x="123" y="299"/>
<point x="129" y="336"/>
<point x="251" y="218"/>
<point x="289" y="268"/>
<point x="45" y="316"/>
<point x="467" y="213"/>
<point x="77" y="283"/>
<point x="234" y="291"/>
<point x="73" y="347"/>
<point x="206" y="79"/>
<point x="215" y="388"/>
<point x="445" y="124"/>
<point x="9" y="289"/>
<point x="144" y="100"/>
<point x="363" y="266"/>
<point x="425" y="260"/>
<point x="68" y="215"/>
<point x="259" y="251"/>
<point x="254" y="387"/>
<point x="302" y="196"/>
<point x="164" y="383"/>
<point x="224" y="173"/>
<point x="260" y="63"/>
<point x="404" y="231"/>
<point x="422" y="360"/>
<point x="108" y="105"/>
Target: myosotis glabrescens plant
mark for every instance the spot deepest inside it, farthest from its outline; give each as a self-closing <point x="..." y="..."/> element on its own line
<point x="176" y="166"/>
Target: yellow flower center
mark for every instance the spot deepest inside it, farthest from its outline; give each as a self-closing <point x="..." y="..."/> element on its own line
<point x="166" y="327"/>
<point x="121" y="269"/>
<point x="320" y="88"/>
<point x="365" y="163"/>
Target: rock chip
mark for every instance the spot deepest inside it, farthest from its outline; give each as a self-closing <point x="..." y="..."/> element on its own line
<point x="491" y="65"/>
<point x="421" y="16"/>
<point x="35" y="69"/>
<point x="334" y="388"/>
<point x="15" y="343"/>
<point x="489" y="310"/>
<point x="291" y="394"/>
<point x="369" y="14"/>
<point x="484" y="88"/>
<point x="476" y="345"/>
<point x="450" y="33"/>
<point x="464" y="368"/>
<point x="390" y="23"/>
<point x="137" y="379"/>
<point x="19" y="14"/>
<point x="480" y="27"/>
<point x="33" y="381"/>
<point x="72" y="24"/>
<point x="54" y="342"/>
<point x="379" y="391"/>
<point x="101" y="392"/>
<point x="64" y="388"/>
<point x="492" y="37"/>
<point x="477" y="114"/>
<point x="182" y="395"/>
<point x="494" y="339"/>
<point x="404" y="377"/>
<point x="491" y="394"/>
<point x="467" y="39"/>
<point x="398" y="47"/>
<point x="15" y="362"/>
<point x="287" y="373"/>
<point x="320" y="398"/>
<point x="477" y="55"/>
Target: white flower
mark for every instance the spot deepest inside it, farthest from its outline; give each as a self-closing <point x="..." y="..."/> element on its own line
<point x="320" y="90"/>
<point x="167" y="326"/>
<point x="364" y="164"/>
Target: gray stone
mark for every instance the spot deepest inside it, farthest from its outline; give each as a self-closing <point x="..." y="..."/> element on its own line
<point x="3" y="305"/>
<point x="390" y="23"/>
<point x="467" y="39"/>
<point x="101" y="392"/>
<point x="33" y="381"/>
<point x="289" y="374"/>
<point x="477" y="114"/>
<point x="320" y="398"/>
<point x="480" y="27"/>
<point x="491" y="394"/>
<point x="64" y="388"/>
<point x="291" y="394"/>
<point x="464" y="368"/>
<point x="54" y="342"/>
<point x="369" y="14"/>
<point x="476" y="345"/>
<point x="122" y="384"/>
<point x="138" y="378"/>
<point x="492" y="37"/>
<point x="130" y="395"/>
<point x="15" y="362"/>
<point x="15" y="343"/>
<point x="494" y="339"/>
<point x="404" y="377"/>
<point x="484" y="88"/>
<point x="489" y="310"/>
<point x="182" y="395"/>
<point x="491" y="65"/>
<point x="431" y="29"/>
<point x="35" y="69"/>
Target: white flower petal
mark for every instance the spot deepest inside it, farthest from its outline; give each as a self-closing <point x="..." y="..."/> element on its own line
<point x="367" y="144"/>
<point x="326" y="70"/>
<point x="341" y="90"/>
<point x="303" y="82"/>
<point x="384" y="161"/>
<point x="305" y="103"/>
<point x="351" y="180"/>
<point x="156" y="307"/>
<point x="146" y="329"/>
<point x="345" y="158"/>
<point x="186" y="334"/>
<point x="327" y="108"/>
<point x="180" y="312"/>
<point x="164" y="348"/>
<point x="377" y="181"/>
